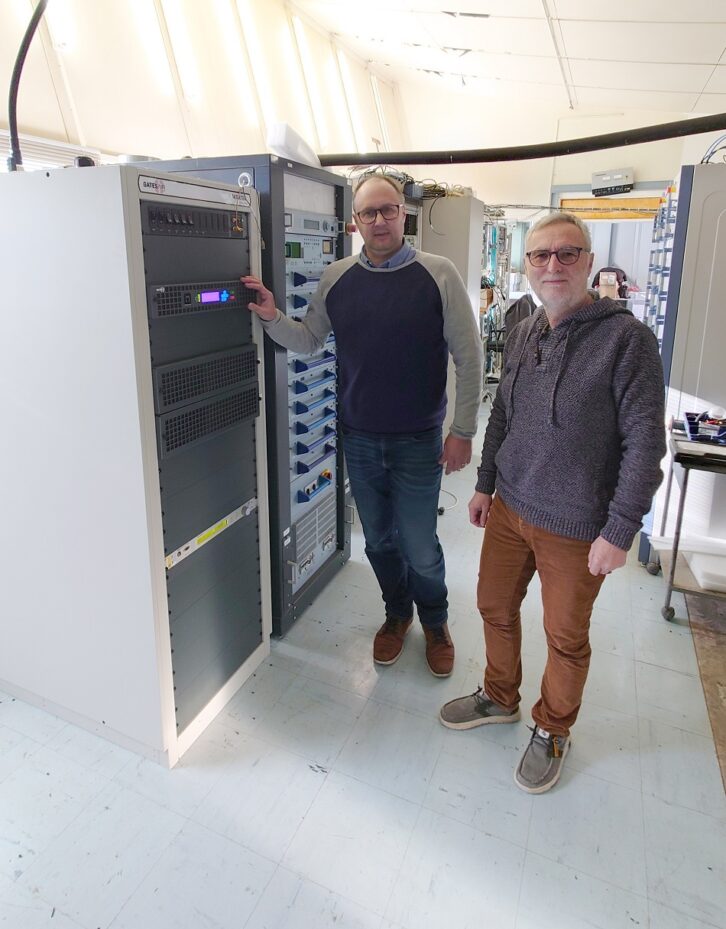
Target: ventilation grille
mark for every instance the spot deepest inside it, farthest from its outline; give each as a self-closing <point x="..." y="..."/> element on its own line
<point x="184" y="382"/>
<point x="315" y="527"/>
<point x="166" y="300"/>
<point x="202" y="421"/>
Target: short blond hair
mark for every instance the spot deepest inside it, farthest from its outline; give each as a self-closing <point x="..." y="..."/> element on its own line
<point x="555" y="217"/>
<point x="395" y="184"/>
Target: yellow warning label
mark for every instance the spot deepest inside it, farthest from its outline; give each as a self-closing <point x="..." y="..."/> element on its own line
<point x="210" y="533"/>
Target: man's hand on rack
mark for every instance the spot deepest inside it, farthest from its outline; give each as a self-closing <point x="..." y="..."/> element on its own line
<point x="266" y="308"/>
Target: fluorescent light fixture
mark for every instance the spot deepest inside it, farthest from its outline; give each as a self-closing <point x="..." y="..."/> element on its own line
<point x="351" y="97"/>
<point x="61" y="25"/>
<point x="379" y="109"/>
<point x="260" y="73"/>
<point x="183" y="48"/>
<point x="231" y="37"/>
<point x="311" y="80"/>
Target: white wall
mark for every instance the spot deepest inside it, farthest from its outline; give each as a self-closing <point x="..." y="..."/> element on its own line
<point x="440" y="121"/>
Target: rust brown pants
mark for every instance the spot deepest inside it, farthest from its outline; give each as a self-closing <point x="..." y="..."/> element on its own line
<point x="512" y="551"/>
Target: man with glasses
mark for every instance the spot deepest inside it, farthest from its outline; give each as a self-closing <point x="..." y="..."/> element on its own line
<point x="569" y="467"/>
<point x="397" y="314"/>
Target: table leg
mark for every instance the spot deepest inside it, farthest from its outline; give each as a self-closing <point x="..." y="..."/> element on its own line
<point x="668" y="612"/>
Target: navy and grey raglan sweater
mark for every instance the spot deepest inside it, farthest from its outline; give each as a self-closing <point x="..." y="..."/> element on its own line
<point x="394" y="329"/>
<point x="576" y="433"/>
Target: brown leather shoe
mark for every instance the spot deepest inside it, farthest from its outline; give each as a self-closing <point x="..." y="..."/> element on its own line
<point x="388" y="643"/>
<point x="439" y="650"/>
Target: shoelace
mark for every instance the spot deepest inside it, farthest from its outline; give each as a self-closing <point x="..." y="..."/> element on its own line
<point x="439" y="634"/>
<point x="480" y="696"/>
<point x="552" y="743"/>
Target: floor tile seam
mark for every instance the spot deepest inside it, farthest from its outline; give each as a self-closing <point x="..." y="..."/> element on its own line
<point x="640" y="721"/>
<point x="659" y="722"/>
<point x="659" y="647"/>
<point x="388" y="793"/>
<point x="568" y="867"/>
<point x="669" y="725"/>
<point x="606" y="780"/>
<point x="532" y="854"/>
<point x="687" y="914"/>
<point x="35" y="895"/>
<point x="337" y="687"/>
<point x="230" y="838"/>
<point x="37" y="745"/>
<point x="490" y="835"/>
<point x="399" y="869"/>
<point x="148" y="871"/>
<point x="686" y="809"/>
<point x="279" y="699"/>
<point x="311" y="677"/>
<point x="597" y="877"/>
<point x="337" y="893"/>
<point x="136" y="887"/>
<point x="347" y="739"/>
<point x="340" y="623"/>
<point x="419" y="714"/>
<point x="485" y="832"/>
<point x="281" y="746"/>
<point x="262" y="893"/>
<point x="24" y="733"/>
<point x="376" y="786"/>
<point x="162" y="806"/>
<point x="68" y="825"/>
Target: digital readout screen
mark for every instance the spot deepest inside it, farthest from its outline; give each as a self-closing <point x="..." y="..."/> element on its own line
<point x="214" y="296"/>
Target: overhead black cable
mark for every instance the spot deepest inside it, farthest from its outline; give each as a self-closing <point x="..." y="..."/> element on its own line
<point x="594" y="143"/>
<point x="15" y="159"/>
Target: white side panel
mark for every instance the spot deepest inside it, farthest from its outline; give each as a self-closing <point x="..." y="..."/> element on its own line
<point x="453" y="227"/>
<point x="76" y="608"/>
<point x="698" y="380"/>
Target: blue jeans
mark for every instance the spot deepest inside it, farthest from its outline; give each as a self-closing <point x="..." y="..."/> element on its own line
<point x="395" y="481"/>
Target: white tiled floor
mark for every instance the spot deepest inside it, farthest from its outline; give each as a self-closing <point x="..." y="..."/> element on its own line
<point x="328" y="795"/>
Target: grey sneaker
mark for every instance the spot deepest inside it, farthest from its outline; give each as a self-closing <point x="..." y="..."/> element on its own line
<point x="541" y="763"/>
<point x="475" y="710"/>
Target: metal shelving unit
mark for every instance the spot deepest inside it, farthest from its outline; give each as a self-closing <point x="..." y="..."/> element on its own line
<point x="659" y="266"/>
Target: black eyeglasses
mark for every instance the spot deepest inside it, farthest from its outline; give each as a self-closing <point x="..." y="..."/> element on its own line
<point x="568" y="255"/>
<point x="388" y="211"/>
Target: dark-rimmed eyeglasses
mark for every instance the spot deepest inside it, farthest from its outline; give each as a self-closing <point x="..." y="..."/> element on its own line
<point x="388" y="211"/>
<point x="567" y="255"/>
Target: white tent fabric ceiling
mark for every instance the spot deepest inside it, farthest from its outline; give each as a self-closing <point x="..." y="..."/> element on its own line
<point x="635" y="54"/>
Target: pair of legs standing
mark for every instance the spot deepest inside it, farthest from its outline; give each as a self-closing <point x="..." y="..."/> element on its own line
<point x="395" y="480"/>
<point x="511" y="553"/>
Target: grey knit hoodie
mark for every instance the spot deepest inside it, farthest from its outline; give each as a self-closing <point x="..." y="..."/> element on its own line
<point x="576" y="433"/>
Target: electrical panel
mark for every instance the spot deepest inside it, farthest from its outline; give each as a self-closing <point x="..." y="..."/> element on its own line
<point x="151" y="464"/>
<point x="412" y="224"/>
<point x="303" y="212"/>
